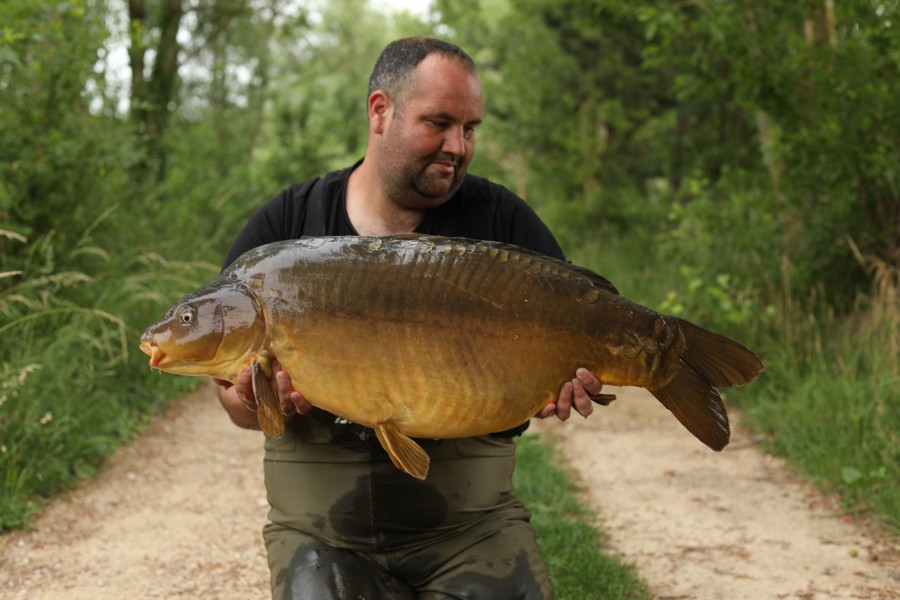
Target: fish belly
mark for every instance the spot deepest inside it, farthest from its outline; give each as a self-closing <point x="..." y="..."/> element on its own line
<point x="434" y="382"/>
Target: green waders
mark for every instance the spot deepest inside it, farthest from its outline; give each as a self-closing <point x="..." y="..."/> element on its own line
<point x="345" y="523"/>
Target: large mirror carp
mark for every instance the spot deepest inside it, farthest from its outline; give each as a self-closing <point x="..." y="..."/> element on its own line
<point x="431" y="337"/>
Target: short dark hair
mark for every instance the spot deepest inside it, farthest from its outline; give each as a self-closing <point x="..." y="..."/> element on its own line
<point x="393" y="69"/>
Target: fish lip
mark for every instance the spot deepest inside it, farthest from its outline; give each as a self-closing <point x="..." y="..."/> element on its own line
<point x="157" y="357"/>
<point x="150" y="348"/>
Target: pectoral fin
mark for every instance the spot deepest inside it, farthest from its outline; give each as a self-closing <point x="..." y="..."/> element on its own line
<point x="404" y="452"/>
<point x="603" y="399"/>
<point x="268" y="409"/>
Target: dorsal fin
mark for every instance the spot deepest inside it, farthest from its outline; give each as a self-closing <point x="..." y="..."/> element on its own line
<point x="598" y="280"/>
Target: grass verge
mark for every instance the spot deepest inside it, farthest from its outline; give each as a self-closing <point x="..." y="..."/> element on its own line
<point x="580" y="567"/>
<point x="831" y="402"/>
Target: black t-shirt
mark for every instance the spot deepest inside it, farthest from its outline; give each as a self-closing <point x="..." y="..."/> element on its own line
<point x="480" y="210"/>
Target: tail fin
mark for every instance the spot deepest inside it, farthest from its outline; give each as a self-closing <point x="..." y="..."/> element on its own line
<point x="710" y="361"/>
<point x="721" y="360"/>
<point x="698" y="406"/>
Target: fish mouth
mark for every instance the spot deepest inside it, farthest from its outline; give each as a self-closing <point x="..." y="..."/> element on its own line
<point x="150" y="348"/>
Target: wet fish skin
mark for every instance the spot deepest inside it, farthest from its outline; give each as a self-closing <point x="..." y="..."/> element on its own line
<point x="433" y="337"/>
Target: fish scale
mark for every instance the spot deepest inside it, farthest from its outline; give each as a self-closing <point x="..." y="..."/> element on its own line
<point x="431" y="337"/>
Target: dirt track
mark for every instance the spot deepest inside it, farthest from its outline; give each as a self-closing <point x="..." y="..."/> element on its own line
<point x="178" y="515"/>
<point x="735" y="524"/>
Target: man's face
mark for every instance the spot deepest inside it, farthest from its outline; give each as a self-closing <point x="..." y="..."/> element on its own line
<point x="429" y="142"/>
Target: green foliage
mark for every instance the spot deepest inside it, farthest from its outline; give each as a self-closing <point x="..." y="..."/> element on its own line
<point x="811" y="103"/>
<point x="732" y="307"/>
<point x="71" y="389"/>
<point x="835" y="413"/>
<point x="726" y="246"/>
<point x="46" y="130"/>
<point x="579" y="567"/>
<point x="564" y="93"/>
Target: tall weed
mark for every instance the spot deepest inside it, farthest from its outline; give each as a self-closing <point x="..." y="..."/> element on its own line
<point x="832" y="401"/>
<point x="71" y="389"/>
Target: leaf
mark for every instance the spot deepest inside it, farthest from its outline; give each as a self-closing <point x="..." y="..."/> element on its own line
<point x="8" y="55"/>
<point x="850" y="475"/>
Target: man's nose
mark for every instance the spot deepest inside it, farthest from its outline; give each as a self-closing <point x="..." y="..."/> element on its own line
<point x="455" y="140"/>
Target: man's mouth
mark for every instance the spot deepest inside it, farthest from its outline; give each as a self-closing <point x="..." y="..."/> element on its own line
<point x="446" y="163"/>
<point x="446" y="166"/>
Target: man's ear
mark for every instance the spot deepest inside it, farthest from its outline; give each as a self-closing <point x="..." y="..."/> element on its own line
<point x="380" y="110"/>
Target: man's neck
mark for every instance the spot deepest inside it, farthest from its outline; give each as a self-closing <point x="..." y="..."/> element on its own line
<point x="370" y="212"/>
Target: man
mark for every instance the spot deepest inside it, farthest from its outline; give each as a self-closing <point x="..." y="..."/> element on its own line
<point x="345" y="523"/>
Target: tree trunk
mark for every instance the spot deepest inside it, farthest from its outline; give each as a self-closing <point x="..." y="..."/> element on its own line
<point x="151" y="99"/>
<point x="819" y="29"/>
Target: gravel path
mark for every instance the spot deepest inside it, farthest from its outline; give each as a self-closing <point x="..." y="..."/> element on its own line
<point x="705" y="525"/>
<point x="178" y="514"/>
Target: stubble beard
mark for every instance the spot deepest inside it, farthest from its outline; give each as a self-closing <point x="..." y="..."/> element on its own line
<point x="438" y="186"/>
<point x="414" y="186"/>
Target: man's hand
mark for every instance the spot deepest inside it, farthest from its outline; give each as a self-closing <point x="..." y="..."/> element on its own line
<point x="575" y="393"/>
<point x="240" y="402"/>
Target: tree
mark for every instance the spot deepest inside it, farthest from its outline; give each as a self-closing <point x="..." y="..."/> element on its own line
<point x="317" y="121"/>
<point x="153" y="93"/>
<point x="57" y="164"/>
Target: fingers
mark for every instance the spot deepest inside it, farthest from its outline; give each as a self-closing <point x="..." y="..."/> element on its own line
<point x="291" y="400"/>
<point x="584" y="385"/>
<point x="574" y="394"/>
<point x="243" y="385"/>
<point x="591" y="384"/>
<point x="547" y="411"/>
<point x="581" y="400"/>
<point x="564" y="401"/>
<point x="283" y="388"/>
<point x="578" y="393"/>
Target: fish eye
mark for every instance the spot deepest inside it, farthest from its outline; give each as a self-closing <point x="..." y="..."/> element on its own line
<point x="187" y="315"/>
